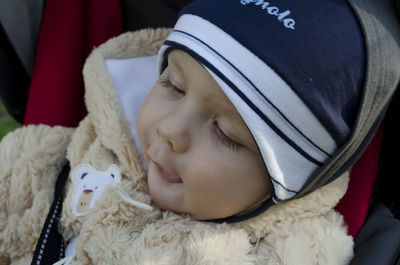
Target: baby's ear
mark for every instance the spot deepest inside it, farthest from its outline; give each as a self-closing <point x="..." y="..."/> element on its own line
<point x="113" y="170"/>
<point x="80" y="172"/>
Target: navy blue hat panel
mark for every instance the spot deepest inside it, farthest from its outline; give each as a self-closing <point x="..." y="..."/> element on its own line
<point x="312" y="45"/>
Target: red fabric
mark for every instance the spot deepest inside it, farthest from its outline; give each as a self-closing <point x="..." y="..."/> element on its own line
<point x="354" y="205"/>
<point x="69" y="31"/>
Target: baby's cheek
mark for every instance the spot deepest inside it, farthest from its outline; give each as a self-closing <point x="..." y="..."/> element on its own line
<point x="205" y="193"/>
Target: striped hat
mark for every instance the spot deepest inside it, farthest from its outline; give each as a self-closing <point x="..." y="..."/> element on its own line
<point x="293" y="69"/>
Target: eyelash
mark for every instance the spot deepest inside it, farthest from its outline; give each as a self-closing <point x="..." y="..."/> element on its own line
<point x="223" y="138"/>
<point x="226" y="140"/>
<point x="175" y="91"/>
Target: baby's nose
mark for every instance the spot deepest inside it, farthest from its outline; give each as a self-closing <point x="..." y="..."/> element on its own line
<point x="175" y="132"/>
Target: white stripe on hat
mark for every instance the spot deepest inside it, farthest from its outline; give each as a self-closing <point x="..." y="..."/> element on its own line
<point x="269" y="94"/>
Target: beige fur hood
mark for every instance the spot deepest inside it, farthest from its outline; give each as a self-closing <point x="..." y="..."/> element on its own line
<point x="115" y="230"/>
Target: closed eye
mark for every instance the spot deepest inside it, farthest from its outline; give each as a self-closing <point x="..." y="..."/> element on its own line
<point x="165" y="82"/>
<point x="176" y="91"/>
<point x="225" y="139"/>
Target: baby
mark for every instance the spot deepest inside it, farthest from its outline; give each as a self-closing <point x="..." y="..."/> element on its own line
<point x="258" y="112"/>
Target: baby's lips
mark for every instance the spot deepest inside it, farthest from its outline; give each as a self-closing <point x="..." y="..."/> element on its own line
<point x="166" y="175"/>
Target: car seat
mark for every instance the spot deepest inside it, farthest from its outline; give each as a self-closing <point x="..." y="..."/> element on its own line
<point x="56" y="96"/>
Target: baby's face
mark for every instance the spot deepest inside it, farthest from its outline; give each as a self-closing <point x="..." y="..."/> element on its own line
<point x="202" y="158"/>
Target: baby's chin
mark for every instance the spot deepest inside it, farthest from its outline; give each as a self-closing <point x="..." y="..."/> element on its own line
<point x="163" y="205"/>
<point x="197" y="215"/>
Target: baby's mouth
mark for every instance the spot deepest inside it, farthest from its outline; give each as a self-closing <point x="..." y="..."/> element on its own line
<point x="166" y="175"/>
